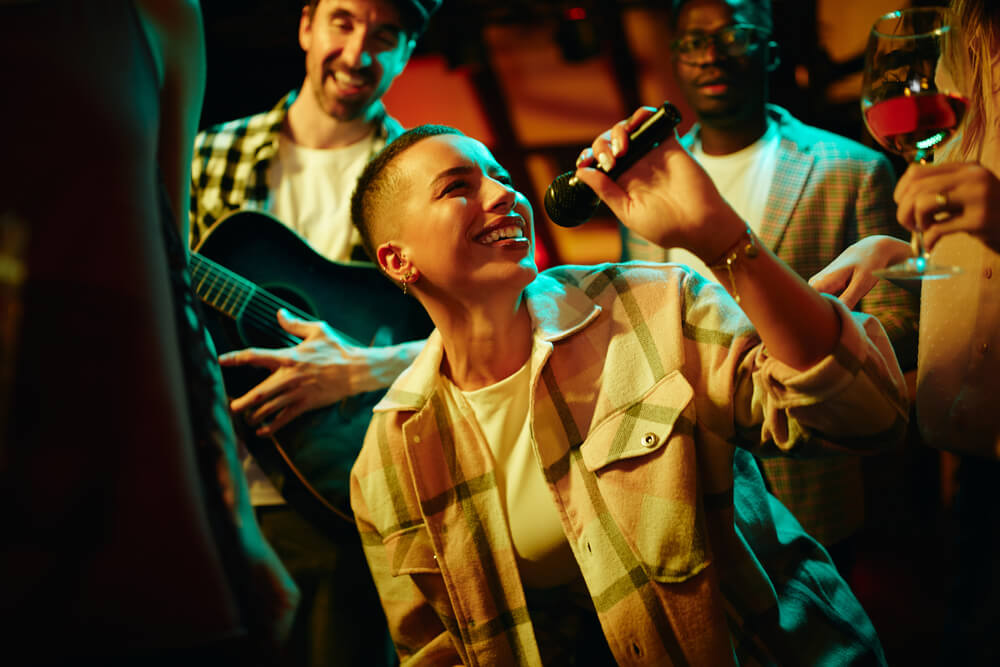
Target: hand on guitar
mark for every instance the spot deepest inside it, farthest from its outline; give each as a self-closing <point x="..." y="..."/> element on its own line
<point x="321" y="370"/>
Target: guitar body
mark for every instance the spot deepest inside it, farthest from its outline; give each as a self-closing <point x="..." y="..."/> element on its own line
<point x="309" y="459"/>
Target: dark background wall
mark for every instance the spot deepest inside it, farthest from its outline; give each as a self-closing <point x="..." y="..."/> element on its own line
<point x="512" y="64"/>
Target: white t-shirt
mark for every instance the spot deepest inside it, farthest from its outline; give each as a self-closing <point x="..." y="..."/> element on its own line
<point x="310" y="192"/>
<point x="744" y="179"/>
<point x="502" y="409"/>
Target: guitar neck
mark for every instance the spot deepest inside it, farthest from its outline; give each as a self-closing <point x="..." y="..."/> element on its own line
<point x="220" y="288"/>
<point x="233" y="295"/>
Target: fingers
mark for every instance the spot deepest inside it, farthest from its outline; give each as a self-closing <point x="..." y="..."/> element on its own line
<point x="297" y="326"/>
<point x="930" y="194"/>
<point x="858" y="286"/>
<point x="831" y="280"/>
<point x="920" y="191"/>
<point x="270" y="405"/>
<point x="935" y="232"/>
<point x="964" y="200"/>
<point x="273" y="385"/>
<point x="604" y="152"/>
<point x="605" y="149"/>
<point x="845" y="283"/>
<point x="923" y="208"/>
<point x="851" y="275"/>
<point x="924" y="177"/>
<point x="252" y="356"/>
<point x="613" y="143"/>
<point x="273" y="415"/>
<point x="249" y="399"/>
<point x="606" y="189"/>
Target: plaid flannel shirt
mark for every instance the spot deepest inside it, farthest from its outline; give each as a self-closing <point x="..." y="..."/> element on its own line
<point x="644" y="377"/>
<point x="230" y="163"/>
<point x="827" y="193"/>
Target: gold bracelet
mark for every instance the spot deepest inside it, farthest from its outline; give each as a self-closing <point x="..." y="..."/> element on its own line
<point x="745" y="247"/>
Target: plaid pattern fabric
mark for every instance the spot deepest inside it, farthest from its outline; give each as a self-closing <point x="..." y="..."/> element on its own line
<point x="827" y="193"/>
<point x="644" y="377"/>
<point x="230" y="163"/>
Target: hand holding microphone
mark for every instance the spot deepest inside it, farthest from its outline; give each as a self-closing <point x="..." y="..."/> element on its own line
<point x="570" y="202"/>
<point x="655" y="188"/>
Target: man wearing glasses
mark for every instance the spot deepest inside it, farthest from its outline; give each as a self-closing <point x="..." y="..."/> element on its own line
<point x="806" y="193"/>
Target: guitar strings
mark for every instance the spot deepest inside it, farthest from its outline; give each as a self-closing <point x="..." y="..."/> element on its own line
<point x="260" y="306"/>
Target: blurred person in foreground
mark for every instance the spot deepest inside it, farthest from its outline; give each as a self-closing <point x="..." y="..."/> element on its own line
<point x="129" y="538"/>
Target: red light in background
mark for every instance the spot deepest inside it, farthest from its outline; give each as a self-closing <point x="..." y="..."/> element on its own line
<point x="576" y="14"/>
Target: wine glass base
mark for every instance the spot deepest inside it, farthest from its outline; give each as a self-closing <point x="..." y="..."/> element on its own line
<point x="917" y="268"/>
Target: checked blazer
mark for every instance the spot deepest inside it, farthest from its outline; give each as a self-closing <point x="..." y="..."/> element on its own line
<point x="827" y="193"/>
<point x="230" y="163"/>
<point x="647" y="384"/>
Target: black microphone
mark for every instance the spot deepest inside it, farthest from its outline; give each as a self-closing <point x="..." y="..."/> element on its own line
<point x="570" y="202"/>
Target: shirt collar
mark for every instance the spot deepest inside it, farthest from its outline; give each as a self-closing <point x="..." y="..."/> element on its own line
<point x="557" y="309"/>
<point x="387" y="128"/>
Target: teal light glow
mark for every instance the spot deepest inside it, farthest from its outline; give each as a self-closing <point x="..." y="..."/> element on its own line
<point x="930" y="141"/>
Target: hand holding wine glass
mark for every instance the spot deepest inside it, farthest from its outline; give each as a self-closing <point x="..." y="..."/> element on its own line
<point x="911" y="105"/>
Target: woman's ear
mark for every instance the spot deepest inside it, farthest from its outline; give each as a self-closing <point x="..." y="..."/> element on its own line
<point x="392" y="260"/>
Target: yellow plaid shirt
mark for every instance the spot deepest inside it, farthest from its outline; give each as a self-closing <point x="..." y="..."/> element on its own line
<point x="230" y="163"/>
<point x="649" y="387"/>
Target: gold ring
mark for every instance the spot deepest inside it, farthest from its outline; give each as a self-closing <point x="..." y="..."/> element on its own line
<point x="941" y="199"/>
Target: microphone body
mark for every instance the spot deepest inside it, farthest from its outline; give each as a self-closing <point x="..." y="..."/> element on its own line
<point x="570" y="202"/>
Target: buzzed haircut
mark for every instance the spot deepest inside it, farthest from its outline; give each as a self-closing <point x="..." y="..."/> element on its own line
<point x="761" y="10"/>
<point x="379" y="185"/>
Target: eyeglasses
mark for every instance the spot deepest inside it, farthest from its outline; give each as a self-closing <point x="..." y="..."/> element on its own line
<point x="733" y="41"/>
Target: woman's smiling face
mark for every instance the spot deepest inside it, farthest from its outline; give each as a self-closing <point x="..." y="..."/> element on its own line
<point x="463" y="225"/>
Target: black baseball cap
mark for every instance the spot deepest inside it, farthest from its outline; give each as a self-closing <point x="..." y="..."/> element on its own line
<point x="417" y="13"/>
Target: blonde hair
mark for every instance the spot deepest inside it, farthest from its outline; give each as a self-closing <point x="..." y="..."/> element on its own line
<point x="972" y="57"/>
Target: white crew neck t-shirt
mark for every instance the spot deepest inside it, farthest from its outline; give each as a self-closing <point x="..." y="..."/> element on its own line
<point x="744" y="179"/>
<point x="310" y="192"/>
<point x="502" y="409"/>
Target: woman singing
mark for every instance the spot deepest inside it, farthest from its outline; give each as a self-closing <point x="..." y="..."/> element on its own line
<point x="564" y="475"/>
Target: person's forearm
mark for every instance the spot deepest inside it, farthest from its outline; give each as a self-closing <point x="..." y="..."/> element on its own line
<point x="796" y="324"/>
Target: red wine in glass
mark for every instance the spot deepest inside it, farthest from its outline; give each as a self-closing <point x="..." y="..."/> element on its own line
<point x="913" y="125"/>
<point x="909" y="104"/>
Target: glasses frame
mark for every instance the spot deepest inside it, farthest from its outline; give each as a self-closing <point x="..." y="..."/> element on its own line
<point x="754" y="37"/>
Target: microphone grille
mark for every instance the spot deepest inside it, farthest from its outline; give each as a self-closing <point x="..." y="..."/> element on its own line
<point x="570" y="202"/>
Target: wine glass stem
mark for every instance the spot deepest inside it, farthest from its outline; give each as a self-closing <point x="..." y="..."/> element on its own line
<point x="917" y="238"/>
<point x="917" y="244"/>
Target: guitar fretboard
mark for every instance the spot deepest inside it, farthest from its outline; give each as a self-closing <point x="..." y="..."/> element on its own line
<point x="219" y="287"/>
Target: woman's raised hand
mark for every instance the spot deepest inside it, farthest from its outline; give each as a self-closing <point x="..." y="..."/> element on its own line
<point x="666" y="197"/>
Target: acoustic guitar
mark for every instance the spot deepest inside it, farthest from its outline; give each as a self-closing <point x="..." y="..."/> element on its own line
<point x="247" y="267"/>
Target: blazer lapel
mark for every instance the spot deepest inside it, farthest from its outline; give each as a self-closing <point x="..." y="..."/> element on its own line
<point x="790" y="176"/>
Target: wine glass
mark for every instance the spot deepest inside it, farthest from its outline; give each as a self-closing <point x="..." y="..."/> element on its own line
<point x="910" y="104"/>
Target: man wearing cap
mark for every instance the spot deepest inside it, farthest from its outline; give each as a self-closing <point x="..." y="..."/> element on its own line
<point x="299" y="163"/>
